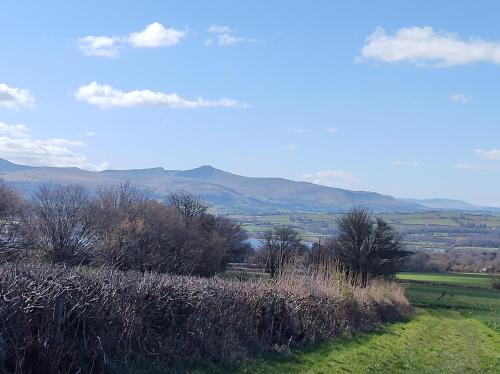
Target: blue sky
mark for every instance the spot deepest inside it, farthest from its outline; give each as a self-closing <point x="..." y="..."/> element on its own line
<point x="385" y="96"/>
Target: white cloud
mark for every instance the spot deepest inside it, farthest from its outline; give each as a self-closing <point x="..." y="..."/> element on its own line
<point x="155" y="35"/>
<point x="473" y="167"/>
<point x="226" y="39"/>
<point x="89" y="133"/>
<point x="152" y="36"/>
<point x="412" y="164"/>
<point x="11" y="97"/>
<point x="106" y="97"/>
<point x="424" y="46"/>
<point x="219" y="29"/>
<point x="18" y="145"/>
<point x="488" y="154"/>
<point x="101" y="46"/>
<point x="331" y="130"/>
<point x="332" y="178"/>
<point x="459" y="98"/>
<point x="224" y="36"/>
<point x="16" y="131"/>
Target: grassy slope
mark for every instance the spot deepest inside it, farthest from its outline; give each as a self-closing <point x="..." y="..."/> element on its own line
<point x="435" y="341"/>
<point x="456" y="330"/>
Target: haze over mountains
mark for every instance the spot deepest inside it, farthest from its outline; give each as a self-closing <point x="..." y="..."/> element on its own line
<point x="227" y="192"/>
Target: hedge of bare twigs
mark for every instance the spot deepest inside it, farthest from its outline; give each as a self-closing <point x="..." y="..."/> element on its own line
<point x="62" y="320"/>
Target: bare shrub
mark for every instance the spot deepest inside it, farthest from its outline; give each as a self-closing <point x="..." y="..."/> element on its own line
<point x="62" y="223"/>
<point x="279" y="248"/>
<point x="495" y="283"/>
<point x="62" y="320"/>
<point x="12" y="210"/>
<point x="188" y="205"/>
<point x="139" y="233"/>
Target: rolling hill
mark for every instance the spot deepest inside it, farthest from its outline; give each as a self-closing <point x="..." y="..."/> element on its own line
<point x="227" y="192"/>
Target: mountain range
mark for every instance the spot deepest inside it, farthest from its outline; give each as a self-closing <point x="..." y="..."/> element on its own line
<point x="227" y="192"/>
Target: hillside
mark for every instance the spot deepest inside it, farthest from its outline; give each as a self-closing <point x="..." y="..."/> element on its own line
<point x="227" y="192"/>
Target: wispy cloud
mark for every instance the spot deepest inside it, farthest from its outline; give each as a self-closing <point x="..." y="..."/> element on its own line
<point x="18" y="145"/>
<point x="223" y="35"/>
<point x="332" y="178"/>
<point x="152" y="36"/>
<point x="14" y="98"/>
<point x="89" y="133"/>
<point x="488" y="154"/>
<point x="331" y="130"/>
<point x="459" y="98"/>
<point x="425" y="46"/>
<point x="100" y="46"/>
<point x="107" y="97"/>
<point x="219" y="29"/>
<point x="474" y="167"/>
<point x="412" y="164"/>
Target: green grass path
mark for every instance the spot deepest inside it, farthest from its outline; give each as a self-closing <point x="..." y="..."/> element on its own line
<point x="435" y="341"/>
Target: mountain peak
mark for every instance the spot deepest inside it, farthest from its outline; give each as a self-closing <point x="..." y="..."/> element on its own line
<point x="204" y="171"/>
<point x="7" y="166"/>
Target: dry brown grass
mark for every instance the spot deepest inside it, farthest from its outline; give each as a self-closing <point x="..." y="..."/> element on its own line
<point x="63" y="320"/>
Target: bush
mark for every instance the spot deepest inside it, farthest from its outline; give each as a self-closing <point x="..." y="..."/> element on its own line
<point x="495" y="283"/>
<point x="65" y="320"/>
<point x="123" y="228"/>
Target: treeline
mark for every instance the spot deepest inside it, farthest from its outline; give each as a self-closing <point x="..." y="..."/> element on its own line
<point x="364" y="247"/>
<point x="473" y="261"/>
<point x="119" y="227"/>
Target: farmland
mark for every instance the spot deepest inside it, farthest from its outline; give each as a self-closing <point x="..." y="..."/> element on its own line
<point x="477" y="280"/>
<point x="468" y="294"/>
<point x="430" y="231"/>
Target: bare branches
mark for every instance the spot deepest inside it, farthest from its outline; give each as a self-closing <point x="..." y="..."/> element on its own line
<point x="365" y="247"/>
<point x="12" y="209"/>
<point x="64" y="223"/>
<point x="188" y="205"/>
<point x="278" y="248"/>
<point x="63" y="320"/>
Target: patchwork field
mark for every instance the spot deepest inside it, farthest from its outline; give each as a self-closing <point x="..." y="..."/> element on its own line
<point x="430" y="231"/>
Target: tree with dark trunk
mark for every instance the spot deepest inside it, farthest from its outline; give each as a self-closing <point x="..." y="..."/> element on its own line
<point x="278" y="248"/>
<point x="63" y="223"/>
<point x="366" y="247"/>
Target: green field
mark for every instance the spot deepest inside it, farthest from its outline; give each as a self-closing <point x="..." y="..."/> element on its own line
<point x="429" y="231"/>
<point x="463" y="279"/>
<point x="455" y="329"/>
<point x="468" y="294"/>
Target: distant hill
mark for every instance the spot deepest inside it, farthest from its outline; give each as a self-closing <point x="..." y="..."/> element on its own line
<point x="450" y="204"/>
<point x="227" y="192"/>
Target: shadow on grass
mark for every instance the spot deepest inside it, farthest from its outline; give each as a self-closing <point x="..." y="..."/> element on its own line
<point x="301" y="355"/>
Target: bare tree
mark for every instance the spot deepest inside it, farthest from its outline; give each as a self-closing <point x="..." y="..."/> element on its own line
<point x="11" y="217"/>
<point x="322" y="256"/>
<point x="140" y="233"/>
<point x="278" y="248"/>
<point x="236" y="238"/>
<point x="188" y="205"/>
<point x="366" y="247"/>
<point x="63" y="222"/>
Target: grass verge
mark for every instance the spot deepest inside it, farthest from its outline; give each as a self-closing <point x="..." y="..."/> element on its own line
<point x="435" y="341"/>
